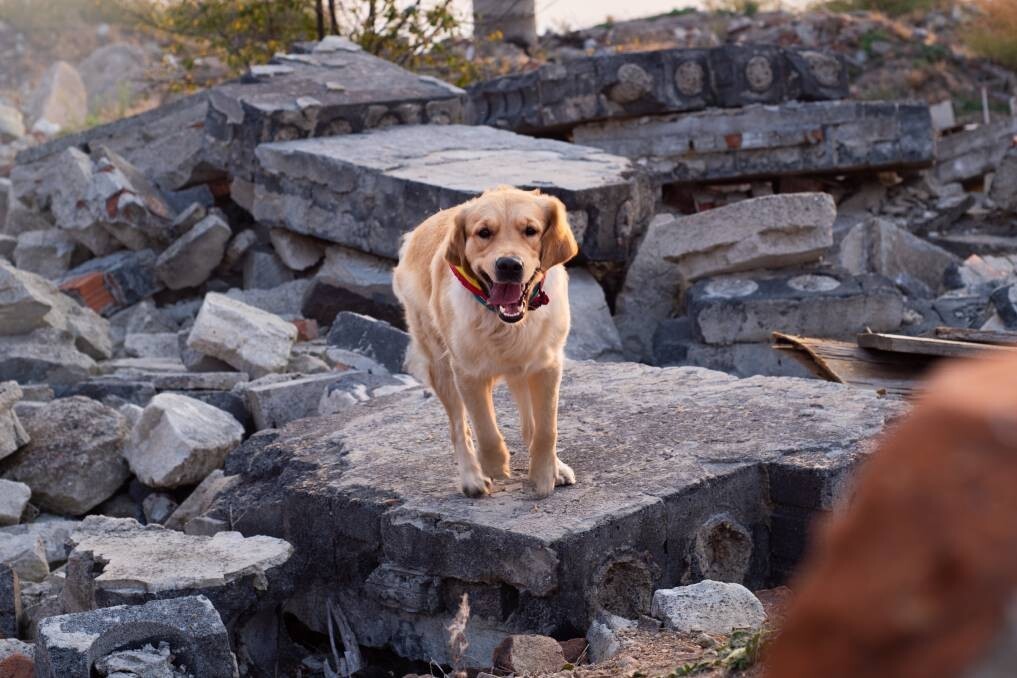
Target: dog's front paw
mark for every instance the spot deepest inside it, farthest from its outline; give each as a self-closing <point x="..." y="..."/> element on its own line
<point x="565" y="475"/>
<point x="475" y="485"/>
<point x="494" y="461"/>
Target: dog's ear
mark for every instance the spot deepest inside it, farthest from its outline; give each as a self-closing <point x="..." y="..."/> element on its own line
<point x="557" y="244"/>
<point x="455" y="247"/>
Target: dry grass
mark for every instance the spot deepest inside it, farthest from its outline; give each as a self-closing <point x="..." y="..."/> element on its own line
<point x="888" y="7"/>
<point x="993" y="34"/>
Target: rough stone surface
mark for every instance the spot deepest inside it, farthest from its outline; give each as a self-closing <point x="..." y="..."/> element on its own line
<point x="558" y="96"/>
<point x="12" y="125"/>
<point x="776" y="230"/>
<point x="1004" y="183"/>
<point x="201" y="499"/>
<point x="709" y="606"/>
<point x="10" y="603"/>
<point x="656" y="452"/>
<point x="823" y="304"/>
<point x="321" y="91"/>
<point x="247" y="338"/>
<point x="276" y="404"/>
<point x="25" y="554"/>
<point x="8" y="244"/>
<point x="353" y="388"/>
<point x="526" y="655"/>
<point x="180" y="440"/>
<point x="152" y="345"/>
<point x="674" y="343"/>
<point x="115" y="282"/>
<point x="298" y="252"/>
<point x="283" y="300"/>
<point x="1004" y="300"/>
<point x="592" y="335"/>
<point x="67" y="645"/>
<point x="375" y="339"/>
<point x="74" y="461"/>
<point x="971" y="154"/>
<point x="878" y="246"/>
<point x="349" y="280"/>
<point x="365" y="190"/>
<point x="46" y="253"/>
<point x="60" y="98"/>
<point x="13" y="499"/>
<point x="766" y="141"/>
<point x="190" y="260"/>
<point x="48" y="356"/>
<point x="264" y="270"/>
<point x="12" y="433"/>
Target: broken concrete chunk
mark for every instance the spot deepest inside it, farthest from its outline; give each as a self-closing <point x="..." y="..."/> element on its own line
<point x="274" y="405"/>
<point x="1004" y="300"/>
<point x="47" y="253"/>
<point x="777" y="230"/>
<point x="878" y="246"/>
<point x="8" y="244"/>
<point x="12" y="126"/>
<point x="592" y="334"/>
<point x="69" y="645"/>
<point x="192" y="257"/>
<point x="59" y="99"/>
<point x="823" y="304"/>
<point x="10" y="604"/>
<point x="299" y="252"/>
<point x="1004" y="183"/>
<point x="111" y="283"/>
<point x="264" y="270"/>
<point x="247" y="338"/>
<point x="158" y="507"/>
<point x="709" y="606"/>
<point x="180" y="440"/>
<point x="526" y="655"/>
<point x="13" y="499"/>
<point x="238" y="248"/>
<point x="25" y="554"/>
<point x="282" y="300"/>
<point x="353" y="388"/>
<point x="12" y="433"/>
<point x="152" y="345"/>
<point x="74" y="461"/>
<point x="135" y="212"/>
<point x="44" y="356"/>
<point x="374" y="338"/>
<point x="349" y="280"/>
<point x="201" y="499"/>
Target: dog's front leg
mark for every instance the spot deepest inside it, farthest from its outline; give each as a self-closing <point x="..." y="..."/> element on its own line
<point x="546" y="470"/>
<point x="492" y="453"/>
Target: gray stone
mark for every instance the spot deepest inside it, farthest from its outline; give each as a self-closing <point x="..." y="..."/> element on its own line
<point x="192" y="257"/>
<point x="373" y="338"/>
<point x="656" y="452"/>
<point x="558" y="96"/>
<point x="1004" y="183"/>
<point x="10" y="604"/>
<point x="11" y="646"/>
<point x="152" y="345"/>
<point x="12" y="125"/>
<point x="124" y="279"/>
<point x="136" y="214"/>
<point x="740" y="360"/>
<point x="340" y="357"/>
<point x="1004" y="300"/>
<point x="47" y="356"/>
<point x="197" y="362"/>
<point x="114" y="75"/>
<point x="144" y="661"/>
<point x="59" y="99"/>
<point x="817" y="304"/>
<point x="203" y="526"/>
<point x="21" y="218"/>
<point x="147" y="562"/>
<point x="74" y="461"/>
<point x="353" y="388"/>
<point x="303" y="363"/>
<point x="283" y="300"/>
<point x="201" y="499"/>
<point x="592" y="335"/>
<point x="349" y="280"/>
<point x="237" y="249"/>
<point x="276" y="404"/>
<point x="264" y="270"/>
<point x="158" y="507"/>
<point x="8" y="243"/>
<point x="52" y="531"/>
<point x="180" y="440"/>
<point x="247" y="338"/>
<point x="198" y="381"/>
<point x="709" y="606"/>
<point x="69" y="645"/>
<point x="25" y="554"/>
<point x="46" y="253"/>
<point x="878" y="246"/>
<point x="321" y="93"/>
<point x="790" y="139"/>
<point x="971" y="154"/>
<point x="777" y="230"/>
<point x="298" y="252"/>
<point x="188" y="218"/>
<point x="365" y="190"/>
<point x="526" y="655"/>
<point x="12" y="433"/>
<point x="13" y="499"/>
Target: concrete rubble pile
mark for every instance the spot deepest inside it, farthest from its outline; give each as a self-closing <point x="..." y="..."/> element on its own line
<point x="204" y="416"/>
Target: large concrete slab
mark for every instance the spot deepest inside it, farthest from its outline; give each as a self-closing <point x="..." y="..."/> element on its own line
<point x="327" y="88"/>
<point x="558" y="96"/>
<point x="765" y="141"/>
<point x="365" y="190"/>
<point x="664" y="457"/>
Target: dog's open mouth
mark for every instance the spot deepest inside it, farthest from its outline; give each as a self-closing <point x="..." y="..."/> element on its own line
<point x="508" y="299"/>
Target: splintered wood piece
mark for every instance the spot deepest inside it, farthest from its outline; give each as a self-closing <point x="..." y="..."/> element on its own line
<point x="999" y="337"/>
<point x="945" y="348"/>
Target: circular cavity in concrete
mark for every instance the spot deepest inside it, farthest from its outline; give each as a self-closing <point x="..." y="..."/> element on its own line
<point x="633" y="83"/>
<point x="759" y="73"/>
<point x="335" y="128"/>
<point x="730" y="288"/>
<point x="723" y="549"/>
<point x="624" y="586"/>
<point x="688" y="78"/>
<point x="813" y="283"/>
<point x="825" y="67"/>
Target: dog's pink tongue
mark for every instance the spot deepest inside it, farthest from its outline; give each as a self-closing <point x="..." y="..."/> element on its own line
<point x="503" y="294"/>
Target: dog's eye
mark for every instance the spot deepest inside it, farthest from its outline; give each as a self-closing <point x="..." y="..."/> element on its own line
<point x="484" y="233"/>
<point x="530" y="231"/>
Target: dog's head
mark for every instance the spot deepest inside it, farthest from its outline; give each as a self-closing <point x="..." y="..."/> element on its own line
<point x="506" y="237"/>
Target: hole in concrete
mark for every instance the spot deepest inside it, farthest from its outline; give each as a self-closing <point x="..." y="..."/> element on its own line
<point x="723" y="549"/>
<point x="625" y="588"/>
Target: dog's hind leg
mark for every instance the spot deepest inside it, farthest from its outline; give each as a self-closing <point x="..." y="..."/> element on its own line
<point x="472" y="481"/>
<point x="476" y="394"/>
<point x="521" y="394"/>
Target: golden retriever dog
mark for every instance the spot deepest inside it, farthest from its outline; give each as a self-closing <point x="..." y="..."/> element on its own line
<point x="486" y="298"/>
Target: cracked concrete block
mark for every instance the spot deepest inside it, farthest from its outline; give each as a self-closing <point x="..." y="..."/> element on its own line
<point x="13" y="499"/>
<point x="298" y="252"/>
<point x="47" y="253"/>
<point x="878" y="246"/>
<point x="353" y="388"/>
<point x="1004" y="183"/>
<point x="191" y="258"/>
<point x="43" y="356"/>
<point x="12" y="433"/>
<point x="373" y="338"/>
<point x="592" y="333"/>
<point x="113" y="283"/>
<point x="709" y="606"/>
<point x="247" y="338"/>
<point x="365" y="190"/>
<point x="349" y="280"/>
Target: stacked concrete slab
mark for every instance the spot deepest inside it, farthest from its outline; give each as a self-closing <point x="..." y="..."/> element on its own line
<point x="558" y="96"/>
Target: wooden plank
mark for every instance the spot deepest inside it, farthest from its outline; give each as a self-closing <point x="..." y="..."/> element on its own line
<point x="844" y="362"/>
<point x="945" y="348"/>
<point x="998" y="337"/>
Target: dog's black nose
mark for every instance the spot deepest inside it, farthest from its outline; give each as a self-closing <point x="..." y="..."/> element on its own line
<point x="509" y="269"/>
